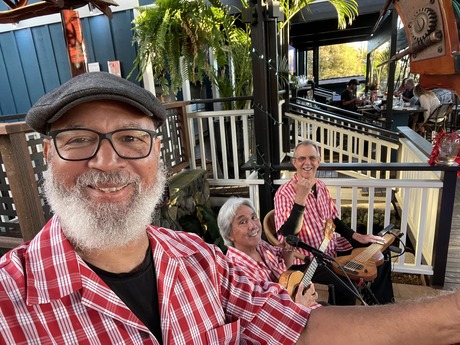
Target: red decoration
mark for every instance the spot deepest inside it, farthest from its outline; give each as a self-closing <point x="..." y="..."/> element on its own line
<point x="437" y="141"/>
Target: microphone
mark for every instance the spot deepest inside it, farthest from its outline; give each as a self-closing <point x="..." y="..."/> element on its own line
<point x="296" y="242"/>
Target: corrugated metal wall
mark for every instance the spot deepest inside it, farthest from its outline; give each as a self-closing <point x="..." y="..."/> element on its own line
<point x="33" y="61"/>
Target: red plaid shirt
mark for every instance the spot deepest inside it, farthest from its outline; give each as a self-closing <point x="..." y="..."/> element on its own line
<point x="317" y="211"/>
<point x="48" y="295"/>
<point x="258" y="271"/>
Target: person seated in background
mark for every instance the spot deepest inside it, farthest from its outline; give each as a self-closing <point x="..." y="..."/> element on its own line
<point x="302" y="205"/>
<point x="401" y="88"/>
<point x="241" y="230"/>
<point x="348" y="97"/>
<point x="429" y="102"/>
<point x="408" y="93"/>
<point x="444" y="95"/>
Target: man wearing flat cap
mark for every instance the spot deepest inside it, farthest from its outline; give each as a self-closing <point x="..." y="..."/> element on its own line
<point x="348" y="97"/>
<point x="99" y="273"/>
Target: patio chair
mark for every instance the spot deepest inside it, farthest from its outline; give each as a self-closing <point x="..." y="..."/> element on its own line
<point x="270" y="232"/>
<point x="436" y="122"/>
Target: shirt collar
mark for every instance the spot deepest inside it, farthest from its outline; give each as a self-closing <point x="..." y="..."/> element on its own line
<point x="54" y="270"/>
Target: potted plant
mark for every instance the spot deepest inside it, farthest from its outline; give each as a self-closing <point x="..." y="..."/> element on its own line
<point x="172" y="31"/>
<point x="175" y="36"/>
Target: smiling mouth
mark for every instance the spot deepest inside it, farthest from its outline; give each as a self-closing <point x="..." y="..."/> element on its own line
<point x="109" y="189"/>
<point x="253" y="234"/>
<point x="308" y="168"/>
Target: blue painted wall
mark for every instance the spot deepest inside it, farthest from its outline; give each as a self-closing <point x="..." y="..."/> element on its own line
<point x="34" y="60"/>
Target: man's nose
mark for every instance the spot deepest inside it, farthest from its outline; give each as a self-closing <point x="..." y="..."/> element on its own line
<point x="106" y="158"/>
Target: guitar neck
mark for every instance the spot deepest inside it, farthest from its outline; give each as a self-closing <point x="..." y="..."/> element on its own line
<point x="309" y="273"/>
<point x="374" y="248"/>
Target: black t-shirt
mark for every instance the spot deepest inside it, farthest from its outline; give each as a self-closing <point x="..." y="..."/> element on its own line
<point x="347" y="95"/>
<point x="408" y="94"/>
<point x="138" y="290"/>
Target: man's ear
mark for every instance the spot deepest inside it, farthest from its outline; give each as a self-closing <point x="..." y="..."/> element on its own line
<point x="46" y="149"/>
<point x="157" y="146"/>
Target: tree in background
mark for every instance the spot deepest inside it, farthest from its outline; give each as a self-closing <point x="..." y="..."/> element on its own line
<point x="341" y="60"/>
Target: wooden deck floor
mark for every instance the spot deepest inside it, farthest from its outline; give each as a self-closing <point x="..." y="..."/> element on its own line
<point x="405" y="292"/>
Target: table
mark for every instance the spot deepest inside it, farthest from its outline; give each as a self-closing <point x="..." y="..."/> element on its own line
<point x="399" y="115"/>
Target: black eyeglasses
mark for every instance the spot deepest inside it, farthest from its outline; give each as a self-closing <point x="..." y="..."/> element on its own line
<point x="82" y="144"/>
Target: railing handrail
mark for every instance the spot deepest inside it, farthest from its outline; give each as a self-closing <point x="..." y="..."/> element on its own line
<point x="306" y="111"/>
<point x="393" y="166"/>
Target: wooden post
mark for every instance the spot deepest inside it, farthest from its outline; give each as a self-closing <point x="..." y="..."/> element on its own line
<point x="21" y="178"/>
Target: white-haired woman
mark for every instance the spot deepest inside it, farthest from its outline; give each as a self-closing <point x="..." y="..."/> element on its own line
<point x="241" y="230"/>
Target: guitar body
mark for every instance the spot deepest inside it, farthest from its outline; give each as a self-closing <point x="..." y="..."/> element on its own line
<point x="362" y="263"/>
<point x="365" y="270"/>
<point x="290" y="280"/>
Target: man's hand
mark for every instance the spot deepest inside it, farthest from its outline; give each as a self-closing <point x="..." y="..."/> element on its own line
<point x="364" y="239"/>
<point x="302" y="187"/>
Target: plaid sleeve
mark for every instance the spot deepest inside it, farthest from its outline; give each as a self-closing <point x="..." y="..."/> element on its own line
<point x="266" y="312"/>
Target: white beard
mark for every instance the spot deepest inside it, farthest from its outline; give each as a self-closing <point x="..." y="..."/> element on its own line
<point x="89" y="225"/>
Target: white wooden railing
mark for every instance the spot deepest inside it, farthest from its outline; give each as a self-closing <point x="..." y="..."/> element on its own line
<point x="224" y="138"/>
<point x="343" y="143"/>
<point x="216" y="138"/>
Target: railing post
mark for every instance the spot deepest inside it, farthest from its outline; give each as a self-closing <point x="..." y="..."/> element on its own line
<point x="21" y="178"/>
<point x="443" y="228"/>
<point x="266" y="112"/>
<point x="176" y="143"/>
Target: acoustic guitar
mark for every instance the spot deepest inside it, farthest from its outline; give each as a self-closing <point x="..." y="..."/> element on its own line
<point x="362" y="263"/>
<point x="291" y="279"/>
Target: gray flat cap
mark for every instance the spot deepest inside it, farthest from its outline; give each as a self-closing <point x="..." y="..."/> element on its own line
<point x="88" y="87"/>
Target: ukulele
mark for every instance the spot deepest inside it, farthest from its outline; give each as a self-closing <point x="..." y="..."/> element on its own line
<point x="291" y="279"/>
<point x="362" y="263"/>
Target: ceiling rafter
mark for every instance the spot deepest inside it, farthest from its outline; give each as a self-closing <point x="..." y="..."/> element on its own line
<point x="22" y="10"/>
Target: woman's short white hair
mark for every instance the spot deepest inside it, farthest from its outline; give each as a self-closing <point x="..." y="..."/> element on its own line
<point x="226" y="214"/>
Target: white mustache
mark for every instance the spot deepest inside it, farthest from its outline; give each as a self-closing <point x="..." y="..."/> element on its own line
<point x="93" y="178"/>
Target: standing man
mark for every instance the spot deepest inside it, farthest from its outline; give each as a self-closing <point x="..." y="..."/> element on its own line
<point x="99" y="273"/>
<point x="302" y="206"/>
<point x="348" y="97"/>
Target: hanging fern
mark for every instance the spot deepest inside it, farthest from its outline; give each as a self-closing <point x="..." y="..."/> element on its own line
<point x="174" y="38"/>
<point x="176" y="31"/>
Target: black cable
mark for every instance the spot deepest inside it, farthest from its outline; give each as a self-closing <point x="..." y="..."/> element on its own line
<point x="352" y="288"/>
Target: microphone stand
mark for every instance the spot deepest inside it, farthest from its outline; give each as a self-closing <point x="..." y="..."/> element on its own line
<point x="320" y="256"/>
<point x="350" y="287"/>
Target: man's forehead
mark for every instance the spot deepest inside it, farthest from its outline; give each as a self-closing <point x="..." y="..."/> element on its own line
<point x="309" y="148"/>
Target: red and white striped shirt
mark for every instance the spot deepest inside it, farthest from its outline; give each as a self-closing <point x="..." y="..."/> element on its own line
<point x="269" y="270"/>
<point x="48" y="295"/>
<point x="317" y="210"/>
